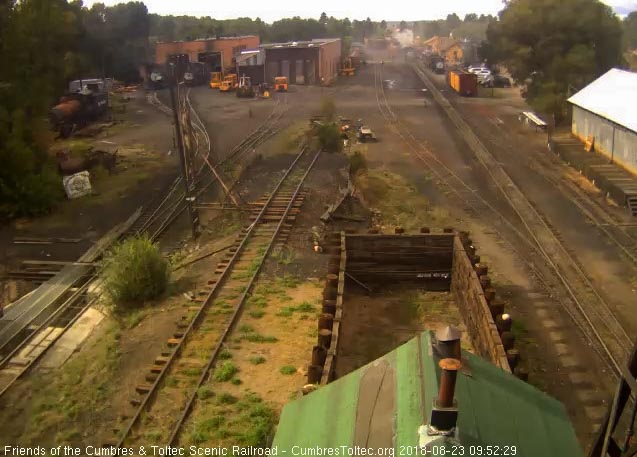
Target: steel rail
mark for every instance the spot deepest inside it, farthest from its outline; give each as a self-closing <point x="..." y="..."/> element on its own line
<point x="246" y="293"/>
<point x="192" y="326"/>
<point x="605" y="315"/>
<point x="587" y="326"/>
<point x="58" y="314"/>
<point x="156" y="211"/>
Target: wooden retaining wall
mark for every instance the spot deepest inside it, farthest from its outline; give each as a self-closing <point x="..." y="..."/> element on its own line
<point x="469" y="295"/>
<point x="378" y="259"/>
<point x="321" y="369"/>
<point x="446" y="261"/>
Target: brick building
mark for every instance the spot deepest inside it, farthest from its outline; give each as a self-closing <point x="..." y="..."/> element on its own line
<point x="216" y="52"/>
<point x="303" y="62"/>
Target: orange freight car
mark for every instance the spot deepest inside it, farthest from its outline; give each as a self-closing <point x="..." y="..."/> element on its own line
<point x="463" y="82"/>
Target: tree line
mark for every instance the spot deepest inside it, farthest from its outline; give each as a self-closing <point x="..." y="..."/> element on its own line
<point x="552" y="52"/>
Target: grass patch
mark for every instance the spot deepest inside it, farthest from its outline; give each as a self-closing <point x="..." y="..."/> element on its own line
<point x="204" y="392"/>
<point x="247" y="333"/>
<point x="284" y="256"/>
<point x="285" y="312"/>
<point x="257" y="360"/>
<point x="82" y="386"/>
<point x="236" y="381"/>
<point x="134" y="317"/>
<point x="257" y="338"/>
<point x="399" y="202"/>
<point x="288" y="281"/>
<point x="304" y="307"/>
<point x="287" y="370"/>
<point x="226" y="372"/>
<point x="225" y="355"/>
<point x="153" y="435"/>
<point x="192" y="371"/>
<point x="256" y="314"/>
<point x="258" y="300"/>
<point x="226" y="399"/>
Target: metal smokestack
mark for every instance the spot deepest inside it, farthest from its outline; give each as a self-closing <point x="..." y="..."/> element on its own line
<point x="447" y="389"/>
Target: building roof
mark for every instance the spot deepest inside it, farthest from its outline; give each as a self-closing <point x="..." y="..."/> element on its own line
<point x="211" y="39"/>
<point x="300" y="44"/>
<point x="383" y="404"/>
<point x="246" y="55"/>
<point x="611" y="96"/>
<point x="441" y="42"/>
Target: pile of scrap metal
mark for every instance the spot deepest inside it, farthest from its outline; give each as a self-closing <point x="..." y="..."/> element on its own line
<point x="85" y="102"/>
<point x="69" y="164"/>
<point x="331" y="209"/>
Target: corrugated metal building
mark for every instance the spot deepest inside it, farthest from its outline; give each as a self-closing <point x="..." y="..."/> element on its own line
<point x="251" y="64"/>
<point x="605" y="111"/>
<point x="382" y="406"/>
<point x="303" y="62"/>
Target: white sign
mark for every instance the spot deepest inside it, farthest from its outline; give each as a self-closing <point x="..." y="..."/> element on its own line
<point x="77" y="185"/>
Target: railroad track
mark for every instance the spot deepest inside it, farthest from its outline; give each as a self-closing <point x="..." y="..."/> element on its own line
<point x="166" y="400"/>
<point x="605" y="223"/>
<point x="156" y="216"/>
<point x="208" y="173"/>
<point x="580" y="298"/>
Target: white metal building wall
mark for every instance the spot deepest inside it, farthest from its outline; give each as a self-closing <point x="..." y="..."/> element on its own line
<point x="612" y="140"/>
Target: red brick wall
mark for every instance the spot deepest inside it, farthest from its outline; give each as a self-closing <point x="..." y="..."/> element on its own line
<point x="231" y="47"/>
<point x="330" y="61"/>
<point x="227" y="47"/>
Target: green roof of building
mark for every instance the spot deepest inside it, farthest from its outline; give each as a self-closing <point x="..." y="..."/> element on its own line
<point x="383" y="404"/>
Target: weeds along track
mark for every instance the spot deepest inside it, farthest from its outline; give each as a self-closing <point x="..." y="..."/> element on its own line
<point x="165" y="402"/>
<point x="43" y="333"/>
<point x="46" y="328"/>
<point x="552" y="262"/>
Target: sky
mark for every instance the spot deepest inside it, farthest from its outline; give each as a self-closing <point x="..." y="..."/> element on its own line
<point x="269" y="10"/>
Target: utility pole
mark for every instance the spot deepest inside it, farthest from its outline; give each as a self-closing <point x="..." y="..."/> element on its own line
<point x="193" y="214"/>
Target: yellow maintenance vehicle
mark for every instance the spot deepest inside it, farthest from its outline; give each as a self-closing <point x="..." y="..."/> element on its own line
<point x="245" y="88"/>
<point x="215" y="79"/>
<point x="348" y="69"/>
<point x="229" y="83"/>
<point x="281" y="84"/>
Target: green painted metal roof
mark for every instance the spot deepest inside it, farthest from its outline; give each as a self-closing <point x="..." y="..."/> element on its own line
<point x="382" y="405"/>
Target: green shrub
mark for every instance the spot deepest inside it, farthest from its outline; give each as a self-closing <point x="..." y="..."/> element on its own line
<point x="225" y="355"/>
<point x="257" y="314"/>
<point x="329" y="138"/>
<point x="226" y="399"/>
<point x="357" y="164"/>
<point x="288" y="370"/>
<point x="135" y="271"/>
<point x="257" y="360"/>
<point x="204" y="392"/>
<point x="328" y="108"/>
<point x="226" y="372"/>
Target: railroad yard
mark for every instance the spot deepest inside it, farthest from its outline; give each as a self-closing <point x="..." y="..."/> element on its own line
<point x="257" y="298"/>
